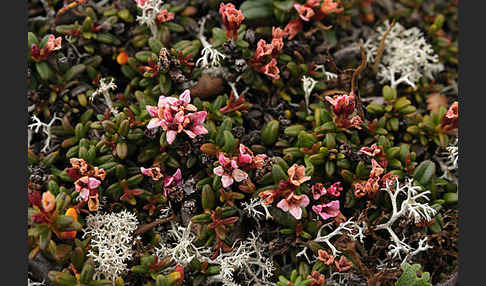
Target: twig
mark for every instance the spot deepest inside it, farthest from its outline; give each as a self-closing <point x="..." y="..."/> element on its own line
<point x="381" y="48"/>
<point x="149" y="226"/>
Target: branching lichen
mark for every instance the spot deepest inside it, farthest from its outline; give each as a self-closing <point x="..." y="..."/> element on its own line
<point x="46" y="128"/>
<point x="407" y="57"/>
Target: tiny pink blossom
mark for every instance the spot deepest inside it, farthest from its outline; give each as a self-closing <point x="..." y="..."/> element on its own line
<point x="165" y="16"/>
<point x="170" y="115"/>
<point x="153" y="172"/>
<point x="53" y="43"/>
<point x="228" y="171"/>
<point x="335" y="189"/>
<point x="328" y="210"/>
<point x="297" y="175"/>
<point x="293" y="203"/>
<point x="174" y="179"/>
<point x="305" y="13"/>
<point x="318" y="190"/>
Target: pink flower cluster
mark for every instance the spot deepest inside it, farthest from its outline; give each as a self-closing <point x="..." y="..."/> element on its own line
<point x="306" y="13"/>
<point x="374" y="183"/>
<point x="272" y="50"/>
<point x="330" y="209"/>
<point x="342" y="264"/>
<point x="231" y="169"/>
<point x="165" y="16"/>
<point x="87" y="180"/>
<point x="450" y="121"/>
<point x="170" y="114"/>
<point x="169" y="181"/>
<point x="232" y="19"/>
<point x="343" y="107"/>
<point x="53" y="44"/>
<point x="291" y="202"/>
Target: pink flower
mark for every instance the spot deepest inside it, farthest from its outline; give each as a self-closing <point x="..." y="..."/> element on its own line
<point x="293" y="203"/>
<point x="271" y="69"/>
<point x="313" y="3"/>
<point x="329" y="6"/>
<point x="325" y="257"/>
<point x="232" y="19"/>
<point x="335" y="189"/>
<point x="228" y="171"/>
<point x="305" y="13"/>
<point x="293" y="28"/>
<point x="175" y="179"/>
<point x="193" y="127"/>
<point x="172" y="181"/>
<point x="343" y="104"/>
<point x="153" y="172"/>
<point x="450" y="120"/>
<point x="328" y="210"/>
<point x="268" y="196"/>
<point x="246" y="155"/>
<point x="318" y="190"/>
<point x="170" y="115"/>
<point x="372" y="151"/>
<point x="376" y="169"/>
<point x="297" y="175"/>
<point x="53" y="43"/>
<point x="277" y="40"/>
<point x="165" y="16"/>
<point x="263" y="49"/>
<point x="343" y="264"/>
<point x="141" y="3"/>
<point x="86" y="186"/>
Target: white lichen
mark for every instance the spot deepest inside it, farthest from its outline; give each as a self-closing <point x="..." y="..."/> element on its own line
<point x="210" y="57"/>
<point x="308" y="85"/>
<point x="329" y="75"/>
<point x="46" y="129"/>
<point x="233" y="87"/>
<point x="406" y="58"/>
<point x="111" y="242"/>
<point x="250" y="209"/>
<point x="150" y="10"/>
<point x="411" y="210"/>
<point x="104" y="89"/>
<point x="32" y="283"/>
<point x="349" y="228"/>
<point x="247" y="258"/>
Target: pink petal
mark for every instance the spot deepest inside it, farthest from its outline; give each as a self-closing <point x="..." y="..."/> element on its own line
<point x="245" y="158"/>
<point x="242" y="149"/>
<point x="317" y="209"/>
<point x="198" y="117"/>
<point x="153" y="123"/>
<point x="218" y="171"/>
<point x="199" y="130"/>
<point x="283" y="205"/>
<point x="93" y="183"/>
<point x="222" y="159"/>
<point x="179" y="117"/>
<point x="152" y="110"/>
<point x="227" y="181"/>
<point x="171" y="136"/>
<point x="84" y="194"/>
<point x="305" y="201"/>
<point x="295" y="211"/>
<point x="239" y="175"/>
<point x="234" y="165"/>
<point x="190" y="133"/>
<point x="177" y="175"/>
<point x="145" y="171"/>
<point x="168" y="181"/>
<point x="185" y="96"/>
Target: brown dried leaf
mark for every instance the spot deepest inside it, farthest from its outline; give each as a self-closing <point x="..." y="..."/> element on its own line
<point x="435" y="101"/>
